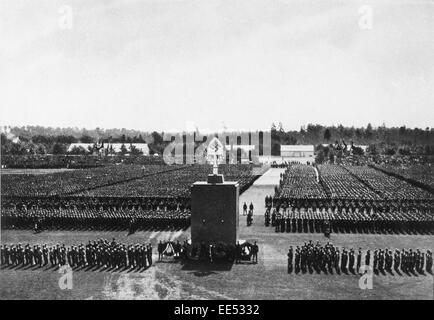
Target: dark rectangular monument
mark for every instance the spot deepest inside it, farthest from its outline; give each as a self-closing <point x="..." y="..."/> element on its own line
<point x="214" y="211"/>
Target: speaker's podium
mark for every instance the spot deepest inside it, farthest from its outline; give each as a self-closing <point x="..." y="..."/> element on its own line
<point x="214" y="211"/>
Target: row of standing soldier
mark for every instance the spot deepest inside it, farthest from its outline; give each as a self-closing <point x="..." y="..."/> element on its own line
<point x="101" y="253"/>
<point x="310" y="257"/>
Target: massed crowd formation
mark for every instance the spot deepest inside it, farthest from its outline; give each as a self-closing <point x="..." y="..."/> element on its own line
<point x="147" y="197"/>
<point x="350" y="199"/>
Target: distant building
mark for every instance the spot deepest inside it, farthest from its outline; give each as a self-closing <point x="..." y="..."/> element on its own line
<point x="296" y="151"/>
<point x="85" y="146"/>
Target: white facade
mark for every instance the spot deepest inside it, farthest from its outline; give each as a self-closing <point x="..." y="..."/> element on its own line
<point x="296" y="151"/>
<point x="85" y="146"/>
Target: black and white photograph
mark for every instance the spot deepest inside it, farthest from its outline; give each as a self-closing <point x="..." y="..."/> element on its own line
<point x="189" y="150"/>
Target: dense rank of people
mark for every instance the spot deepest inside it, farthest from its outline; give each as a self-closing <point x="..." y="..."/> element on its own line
<point x="300" y="220"/>
<point x="338" y="183"/>
<point x="300" y="181"/>
<point x="175" y="183"/>
<point x="94" y="219"/>
<point x="370" y="159"/>
<point x="96" y="203"/>
<point x="351" y="204"/>
<point x="99" y="253"/>
<point x="388" y="187"/>
<point x="121" y="181"/>
<point x="95" y="213"/>
<point x="116" y="255"/>
<point x="350" y="198"/>
<point x="50" y="161"/>
<point x="284" y="164"/>
<point x="421" y="175"/>
<point x="329" y="258"/>
<point x="394" y="160"/>
<point x="153" y="196"/>
<point x="75" y="181"/>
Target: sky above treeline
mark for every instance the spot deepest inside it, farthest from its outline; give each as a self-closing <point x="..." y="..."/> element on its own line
<point x="244" y="64"/>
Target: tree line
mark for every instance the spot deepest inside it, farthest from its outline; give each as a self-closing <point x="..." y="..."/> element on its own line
<point x="381" y="140"/>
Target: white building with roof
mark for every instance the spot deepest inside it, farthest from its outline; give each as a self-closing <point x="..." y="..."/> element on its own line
<point x="85" y="146"/>
<point x="296" y="151"/>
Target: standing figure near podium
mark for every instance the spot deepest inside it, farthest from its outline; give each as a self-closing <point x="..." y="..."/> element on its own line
<point x="251" y="208"/>
<point x="249" y="219"/>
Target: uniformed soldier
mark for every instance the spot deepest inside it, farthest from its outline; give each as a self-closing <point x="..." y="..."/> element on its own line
<point x="255" y="250"/>
<point x="359" y="260"/>
<point x="2" y="254"/>
<point x="297" y="260"/>
<point x="290" y="257"/>
<point x="344" y="260"/>
<point x="160" y="250"/>
<point x="351" y="260"/>
<point x="149" y="254"/>
<point x="396" y="260"/>
<point x="267" y="217"/>
<point x="14" y="259"/>
<point x="368" y="258"/>
<point x="429" y="262"/>
<point x="337" y="258"/>
<point x="45" y="254"/>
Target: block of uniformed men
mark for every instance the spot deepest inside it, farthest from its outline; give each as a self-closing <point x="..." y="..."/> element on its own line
<point x="316" y="257"/>
<point x="39" y="218"/>
<point x="101" y="253"/>
<point x="315" y="220"/>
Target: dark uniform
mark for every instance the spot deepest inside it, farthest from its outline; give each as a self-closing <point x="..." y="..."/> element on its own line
<point x="255" y="250"/>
